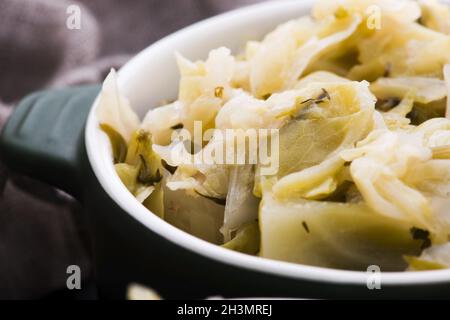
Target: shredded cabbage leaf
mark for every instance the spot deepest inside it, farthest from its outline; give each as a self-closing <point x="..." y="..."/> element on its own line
<point x="114" y="108"/>
<point x="335" y="124"/>
<point x="241" y="205"/>
<point x="434" y="258"/>
<point x="435" y="15"/>
<point x="336" y="235"/>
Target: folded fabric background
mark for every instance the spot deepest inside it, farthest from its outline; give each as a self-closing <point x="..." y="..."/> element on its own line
<point x="40" y="230"/>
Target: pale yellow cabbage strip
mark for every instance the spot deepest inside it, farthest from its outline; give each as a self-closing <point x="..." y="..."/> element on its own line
<point x="435" y="15"/>
<point x="311" y="183"/>
<point x="447" y="82"/>
<point x="114" y="108"/>
<point x="426" y="90"/>
<point x="314" y="47"/>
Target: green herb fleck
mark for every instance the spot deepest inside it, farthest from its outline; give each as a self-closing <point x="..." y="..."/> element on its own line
<point x="118" y="143"/>
<point x="420" y="234"/>
<point x="218" y="201"/>
<point x="305" y="226"/>
<point x="266" y="96"/>
<point x="320" y="99"/>
<point x="177" y="126"/>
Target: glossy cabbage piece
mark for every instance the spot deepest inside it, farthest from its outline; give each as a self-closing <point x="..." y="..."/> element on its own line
<point x="447" y="83"/>
<point x="397" y="117"/>
<point x="425" y="89"/>
<point x="403" y="10"/>
<point x="247" y="239"/>
<point x="435" y="15"/>
<point x="136" y="164"/>
<point x="142" y="173"/>
<point x="119" y="146"/>
<point x="205" y="86"/>
<point x="284" y="55"/>
<point x="334" y="235"/>
<point x="206" y="180"/>
<point x="155" y="200"/>
<point x="426" y="97"/>
<point x="128" y="174"/>
<point x="321" y="77"/>
<point x="241" y="205"/>
<point x="418" y="264"/>
<point x="197" y="215"/>
<point x="433" y="258"/>
<point x="404" y="174"/>
<point x="115" y="110"/>
<point x="401" y="49"/>
<point x="269" y="60"/>
<point x="309" y="144"/>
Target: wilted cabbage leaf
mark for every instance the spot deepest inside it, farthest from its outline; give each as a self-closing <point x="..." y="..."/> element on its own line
<point x="196" y="215"/>
<point x="397" y="176"/>
<point x="335" y="235"/>
<point x="321" y="77"/>
<point x="241" y="205"/>
<point x="309" y="144"/>
<point x="433" y="258"/>
<point x="447" y="84"/>
<point x="155" y="200"/>
<point x="283" y="56"/>
<point x="247" y="239"/>
<point x="161" y="121"/>
<point x="401" y="49"/>
<point x="403" y="10"/>
<point x="114" y="108"/>
<point x="425" y="90"/>
<point x="435" y="15"/>
<point x="396" y="118"/>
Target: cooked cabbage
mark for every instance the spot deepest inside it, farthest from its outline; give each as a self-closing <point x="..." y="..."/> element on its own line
<point x="436" y="257"/>
<point x="114" y="108"/>
<point x="241" y="205"/>
<point x="335" y="124"/>
<point x="447" y="83"/>
<point x="284" y="54"/>
<point x="425" y="90"/>
<point x="403" y="10"/>
<point x="435" y="15"/>
<point x="348" y="107"/>
<point x="335" y="235"/>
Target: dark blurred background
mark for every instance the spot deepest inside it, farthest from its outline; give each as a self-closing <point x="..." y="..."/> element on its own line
<point x="40" y="229"/>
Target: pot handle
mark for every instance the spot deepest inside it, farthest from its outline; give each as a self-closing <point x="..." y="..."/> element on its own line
<point x="44" y="137"/>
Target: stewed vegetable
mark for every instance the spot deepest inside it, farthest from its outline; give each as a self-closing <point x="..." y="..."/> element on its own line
<point x="335" y="128"/>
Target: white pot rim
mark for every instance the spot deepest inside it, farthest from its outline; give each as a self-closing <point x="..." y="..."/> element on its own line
<point x="102" y="166"/>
